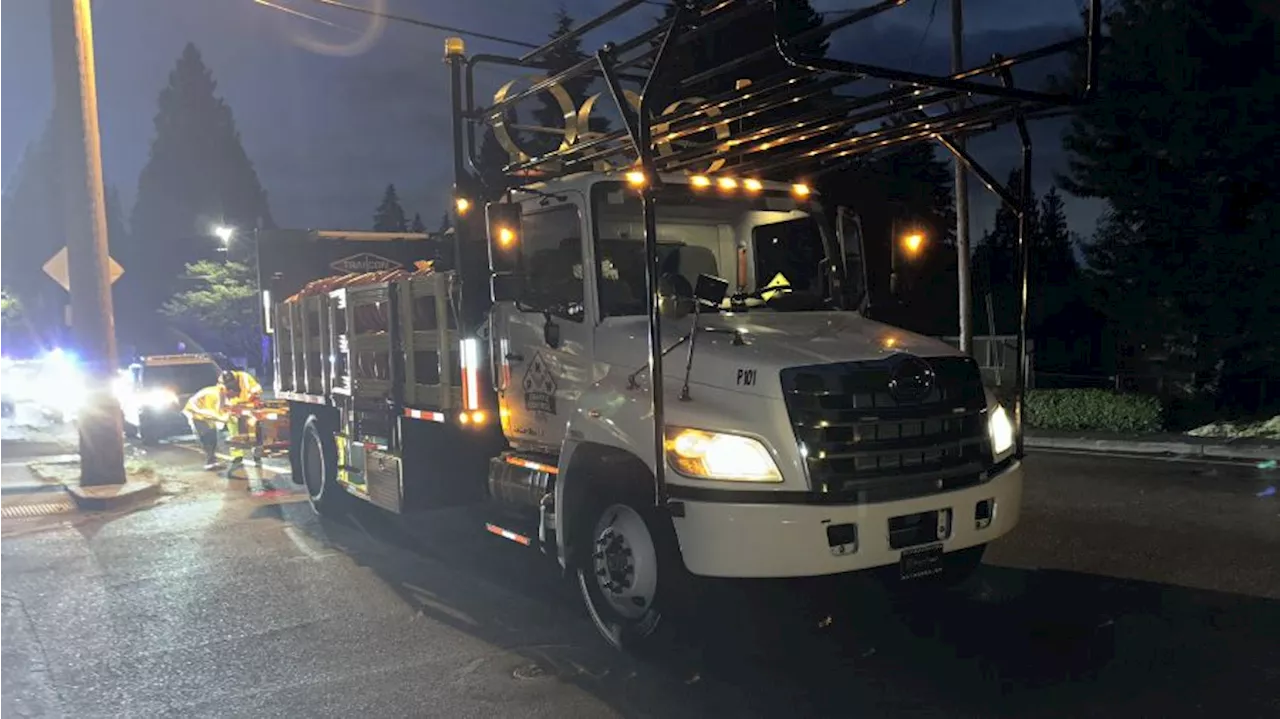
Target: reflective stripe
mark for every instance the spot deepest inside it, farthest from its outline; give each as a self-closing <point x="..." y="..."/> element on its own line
<point x="530" y="464"/>
<point x="508" y="534"/>
<point x="423" y="414"/>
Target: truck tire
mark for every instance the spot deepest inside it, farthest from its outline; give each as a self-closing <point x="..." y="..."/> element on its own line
<point x="318" y="462"/>
<point x="630" y="573"/>
<point x="146" y="433"/>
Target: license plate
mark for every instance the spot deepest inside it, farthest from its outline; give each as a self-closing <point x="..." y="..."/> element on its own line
<point x="920" y="562"/>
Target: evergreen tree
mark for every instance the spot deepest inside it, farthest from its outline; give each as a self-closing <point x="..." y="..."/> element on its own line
<point x="1182" y="145"/>
<point x="995" y="261"/>
<point x="445" y="222"/>
<point x="907" y="188"/>
<point x="389" y="217"/>
<point x="197" y="175"/>
<point x="750" y="33"/>
<point x="549" y="114"/>
<point x="29" y="235"/>
<point x="491" y="158"/>
<point x="416" y="225"/>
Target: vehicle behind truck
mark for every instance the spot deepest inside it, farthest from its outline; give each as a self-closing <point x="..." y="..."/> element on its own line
<point x="649" y="368"/>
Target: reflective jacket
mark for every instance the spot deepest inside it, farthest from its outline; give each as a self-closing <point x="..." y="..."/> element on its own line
<point x="205" y="405"/>
<point x="249" y="389"/>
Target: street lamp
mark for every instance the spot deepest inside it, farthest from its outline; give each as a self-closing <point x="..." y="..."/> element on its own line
<point x="224" y="233"/>
<point x="911" y="244"/>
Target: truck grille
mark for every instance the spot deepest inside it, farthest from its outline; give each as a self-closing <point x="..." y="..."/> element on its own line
<point x="874" y="432"/>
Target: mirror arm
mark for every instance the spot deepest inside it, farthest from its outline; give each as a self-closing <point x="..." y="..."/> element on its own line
<point x="693" y="341"/>
<point x="631" y="378"/>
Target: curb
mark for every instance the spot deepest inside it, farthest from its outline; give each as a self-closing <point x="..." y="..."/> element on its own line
<point x="112" y="496"/>
<point x="104" y="497"/>
<point x="1157" y="447"/>
<point x="20" y="489"/>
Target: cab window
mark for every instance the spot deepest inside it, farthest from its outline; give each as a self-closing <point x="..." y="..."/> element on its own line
<point x="552" y="255"/>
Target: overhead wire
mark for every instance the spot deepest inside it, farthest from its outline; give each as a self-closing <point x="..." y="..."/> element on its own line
<point x="303" y="15"/>
<point x="409" y="21"/>
<point x="933" y="12"/>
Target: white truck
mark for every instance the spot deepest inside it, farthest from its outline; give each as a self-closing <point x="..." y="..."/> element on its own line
<point x="785" y="434"/>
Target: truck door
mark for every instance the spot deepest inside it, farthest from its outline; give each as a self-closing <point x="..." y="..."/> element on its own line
<point x="543" y="339"/>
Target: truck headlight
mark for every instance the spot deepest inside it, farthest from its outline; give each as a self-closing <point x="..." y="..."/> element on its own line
<point x="1000" y="430"/>
<point x="160" y="399"/>
<point x="713" y="455"/>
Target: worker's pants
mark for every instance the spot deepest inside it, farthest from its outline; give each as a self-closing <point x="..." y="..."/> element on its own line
<point x="208" y="434"/>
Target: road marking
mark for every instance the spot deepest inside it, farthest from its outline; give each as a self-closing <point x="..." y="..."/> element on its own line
<point x="304" y="546"/>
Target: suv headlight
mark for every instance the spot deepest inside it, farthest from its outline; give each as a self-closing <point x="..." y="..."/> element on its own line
<point x="712" y="455"/>
<point x="1000" y="431"/>
<point x="161" y="399"/>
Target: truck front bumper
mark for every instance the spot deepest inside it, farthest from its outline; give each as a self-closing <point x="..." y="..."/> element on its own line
<point x="727" y="539"/>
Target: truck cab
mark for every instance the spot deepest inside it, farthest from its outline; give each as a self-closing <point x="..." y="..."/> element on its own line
<point x="800" y="439"/>
<point x="153" y="391"/>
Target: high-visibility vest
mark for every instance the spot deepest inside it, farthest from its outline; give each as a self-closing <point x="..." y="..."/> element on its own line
<point x="249" y="388"/>
<point x="205" y="404"/>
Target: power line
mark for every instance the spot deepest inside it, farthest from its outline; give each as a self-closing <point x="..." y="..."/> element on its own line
<point x="303" y="15"/>
<point x="424" y="23"/>
<point x="933" y="12"/>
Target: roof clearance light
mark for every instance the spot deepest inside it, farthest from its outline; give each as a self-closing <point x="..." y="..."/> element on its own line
<point x="753" y="185"/>
<point x="635" y="178"/>
<point x="800" y="190"/>
<point x="727" y="183"/>
<point x="463" y="204"/>
<point x="700" y="181"/>
<point x="454" y="47"/>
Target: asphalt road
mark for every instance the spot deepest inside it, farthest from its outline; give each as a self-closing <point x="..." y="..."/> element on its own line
<point x="1131" y="588"/>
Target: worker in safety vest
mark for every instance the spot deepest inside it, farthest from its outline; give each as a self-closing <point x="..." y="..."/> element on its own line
<point x="205" y="412"/>
<point x="239" y="389"/>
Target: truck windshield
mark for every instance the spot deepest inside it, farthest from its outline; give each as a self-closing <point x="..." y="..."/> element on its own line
<point x="180" y="378"/>
<point x="758" y="243"/>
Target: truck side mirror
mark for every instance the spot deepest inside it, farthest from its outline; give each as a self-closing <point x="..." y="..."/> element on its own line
<point x="710" y="290"/>
<point x="853" y="253"/>
<point x="504" y="228"/>
<point x="506" y="287"/>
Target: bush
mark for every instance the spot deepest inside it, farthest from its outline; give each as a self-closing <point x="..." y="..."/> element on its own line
<point x="1093" y="409"/>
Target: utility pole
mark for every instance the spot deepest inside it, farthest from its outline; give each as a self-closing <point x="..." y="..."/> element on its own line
<point x="84" y="227"/>
<point x="963" y="276"/>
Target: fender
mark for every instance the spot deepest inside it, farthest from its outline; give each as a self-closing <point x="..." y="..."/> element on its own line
<point x="607" y="420"/>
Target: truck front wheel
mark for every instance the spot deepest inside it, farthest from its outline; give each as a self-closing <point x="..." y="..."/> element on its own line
<point x="318" y="462"/>
<point x="629" y="574"/>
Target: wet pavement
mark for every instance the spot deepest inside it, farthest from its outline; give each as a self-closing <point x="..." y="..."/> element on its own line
<point x="1131" y="588"/>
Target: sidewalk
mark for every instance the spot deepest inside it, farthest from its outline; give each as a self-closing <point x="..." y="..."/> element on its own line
<point x="16" y="478"/>
<point x="23" y="494"/>
<point x="1173" y="444"/>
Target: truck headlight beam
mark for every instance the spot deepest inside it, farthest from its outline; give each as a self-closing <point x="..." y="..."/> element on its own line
<point x="699" y="454"/>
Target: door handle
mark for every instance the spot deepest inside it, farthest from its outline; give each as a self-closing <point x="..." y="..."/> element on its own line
<point x="514" y="357"/>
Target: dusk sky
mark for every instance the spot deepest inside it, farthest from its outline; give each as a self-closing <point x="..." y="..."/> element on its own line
<point x="327" y="132"/>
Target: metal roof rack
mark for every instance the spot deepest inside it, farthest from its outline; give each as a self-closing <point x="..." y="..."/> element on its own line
<point x="845" y="98"/>
<point x="814" y="137"/>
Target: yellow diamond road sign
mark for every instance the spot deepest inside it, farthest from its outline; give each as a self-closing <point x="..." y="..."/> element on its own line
<point x="56" y="268"/>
